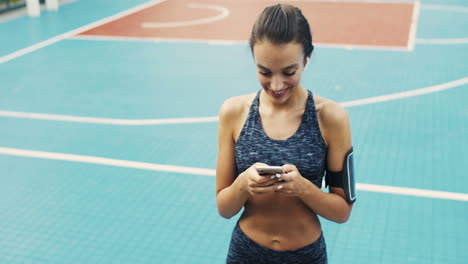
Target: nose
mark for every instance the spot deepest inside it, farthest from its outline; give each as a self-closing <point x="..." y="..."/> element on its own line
<point x="276" y="83"/>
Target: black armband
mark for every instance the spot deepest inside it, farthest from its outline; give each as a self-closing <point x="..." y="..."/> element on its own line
<point x="344" y="178"/>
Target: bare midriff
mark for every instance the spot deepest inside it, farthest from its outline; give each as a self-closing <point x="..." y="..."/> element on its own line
<point x="279" y="222"/>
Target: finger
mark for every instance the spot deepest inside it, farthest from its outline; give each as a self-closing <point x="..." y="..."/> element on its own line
<point x="281" y="187"/>
<point x="258" y="179"/>
<point x="259" y="164"/>
<point x="262" y="179"/>
<point x="262" y="190"/>
<point x="288" y="176"/>
<point x="280" y="177"/>
<point x="289" y="168"/>
<point x="269" y="182"/>
<point x="266" y="183"/>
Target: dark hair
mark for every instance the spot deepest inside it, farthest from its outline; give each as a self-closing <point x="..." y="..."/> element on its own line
<point x="281" y="24"/>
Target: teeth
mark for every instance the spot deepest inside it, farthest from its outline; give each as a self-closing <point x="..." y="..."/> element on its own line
<point x="280" y="92"/>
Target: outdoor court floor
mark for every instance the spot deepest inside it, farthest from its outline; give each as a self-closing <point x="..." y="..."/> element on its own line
<point x="108" y="127"/>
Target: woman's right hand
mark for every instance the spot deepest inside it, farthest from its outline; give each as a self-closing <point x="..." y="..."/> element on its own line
<point x="256" y="184"/>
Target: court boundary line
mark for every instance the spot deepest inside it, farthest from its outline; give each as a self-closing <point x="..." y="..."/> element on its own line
<point x="156" y="40"/>
<point x="442" y="41"/>
<point x="407" y="94"/>
<point x="362" y="47"/>
<point x="210" y="172"/>
<point x="230" y="42"/>
<point x="223" y="13"/>
<point x="451" y="8"/>
<point x="413" y="26"/>
<point x="76" y="31"/>
<point x="161" y="121"/>
<point x="418" y="41"/>
<point x="359" y="1"/>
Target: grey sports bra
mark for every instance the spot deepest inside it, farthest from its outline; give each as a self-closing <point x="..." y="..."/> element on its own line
<point x="305" y="149"/>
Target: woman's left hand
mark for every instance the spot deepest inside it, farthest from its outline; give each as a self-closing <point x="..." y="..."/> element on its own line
<point x="293" y="183"/>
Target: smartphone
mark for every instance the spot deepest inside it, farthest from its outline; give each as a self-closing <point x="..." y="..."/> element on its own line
<point x="270" y="170"/>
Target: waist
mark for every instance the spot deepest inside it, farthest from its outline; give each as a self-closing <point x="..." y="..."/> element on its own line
<point x="287" y="229"/>
<point x="243" y="249"/>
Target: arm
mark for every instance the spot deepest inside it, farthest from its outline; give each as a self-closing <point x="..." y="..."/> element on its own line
<point x="230" y="194"/>
<point x="332" y="206"/>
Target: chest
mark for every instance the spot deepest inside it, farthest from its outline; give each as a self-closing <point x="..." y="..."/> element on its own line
<point x="281" y="127"/>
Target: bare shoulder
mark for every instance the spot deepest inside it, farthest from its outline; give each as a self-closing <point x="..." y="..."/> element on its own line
<point x="235" y="107"/>
<point x="332" y="115"/>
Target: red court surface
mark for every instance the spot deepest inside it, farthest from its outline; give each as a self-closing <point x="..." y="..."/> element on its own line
<point x="341" y="23"/>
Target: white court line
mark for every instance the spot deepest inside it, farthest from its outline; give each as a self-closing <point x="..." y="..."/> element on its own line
<point x="71" y="33"/>
<point x="230" y="42"/>
<point x="444" y="41"/>
<point x="211" y="172"/>
<point x="413" y="27"/>
<point x="452" y="8"/>
<point x="244" y="42"/>
<point x="157" y="40"/>
<point x="401" y="95"/>
<point x="108" y="121"/>
<point x="104" y="161"/>
<point x="412" y="192"/>
<point x="140" y="122"/>
<point x="358" y="1"/>
<point x="360" y="47"/>
<point x="223" y="13"/>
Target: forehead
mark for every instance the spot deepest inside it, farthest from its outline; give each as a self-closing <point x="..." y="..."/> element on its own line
<point x="277" y="55"/>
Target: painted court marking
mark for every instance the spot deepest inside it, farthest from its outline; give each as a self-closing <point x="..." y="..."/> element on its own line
<point x="211" y="172"/>
<point x="412" y="93"/>
<point x="444" y="41"/>
<point x="229" y="42"/>
<point x="451" y="8"/>
<point x="79" y="30"/>
<point x="108" y="121"/>
<point x="413" y="27"/>
<point x="163" y="121"/>
<point x="156" y="40"/>
<point x="103" y="161"/>
<point x="411" y="47"/>
<point x="223" y="13"/>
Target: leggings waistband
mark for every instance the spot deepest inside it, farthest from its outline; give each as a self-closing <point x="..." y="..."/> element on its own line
<point x="243" y="249"/>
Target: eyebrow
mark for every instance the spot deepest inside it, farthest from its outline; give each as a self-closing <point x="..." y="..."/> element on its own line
<point x="285" y="68"/>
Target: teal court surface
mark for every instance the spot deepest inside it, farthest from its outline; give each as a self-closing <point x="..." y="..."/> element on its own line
<point x="108" y="145"/>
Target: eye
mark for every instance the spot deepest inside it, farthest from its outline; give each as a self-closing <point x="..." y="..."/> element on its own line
<point x="289" y="73"/>
<point x="265" y="73"/>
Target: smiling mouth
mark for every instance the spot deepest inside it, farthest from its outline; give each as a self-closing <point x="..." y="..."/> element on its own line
<point x="280" y="92"/>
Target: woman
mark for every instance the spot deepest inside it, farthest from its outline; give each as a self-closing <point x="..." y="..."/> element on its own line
<point x="285" y="125"/>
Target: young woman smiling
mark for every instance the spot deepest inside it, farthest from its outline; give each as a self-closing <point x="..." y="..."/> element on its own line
<point x="283" y="124"/>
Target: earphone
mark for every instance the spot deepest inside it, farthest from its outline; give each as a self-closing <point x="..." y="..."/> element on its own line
<point x="307" y="63"/>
